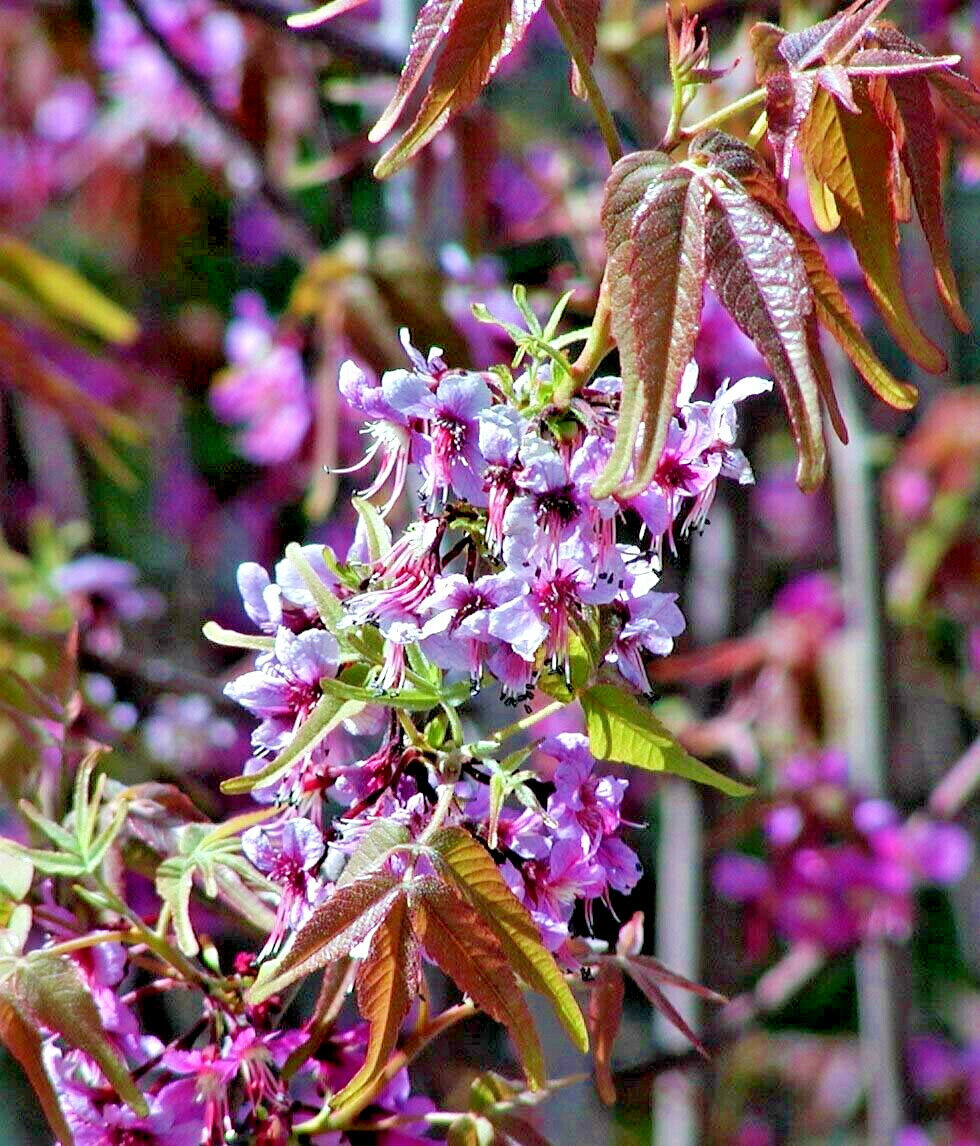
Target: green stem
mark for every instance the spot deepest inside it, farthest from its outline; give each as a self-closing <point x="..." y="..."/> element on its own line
<point x="84" y="941"/>
<point x="529" y="721"/>
<point x="597" y="346"/>
<point x="446" y="793"/>
<point x="600" y="109"/>
<point x="746" y="103"/>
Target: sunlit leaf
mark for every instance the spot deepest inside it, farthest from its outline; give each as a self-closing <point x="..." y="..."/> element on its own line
<point x="852" y="156"/>
<point x="622" y="727"/>
<point x="386" y="984"/>
<point x="381" y="838"/>
<point x="461" y="944"/>
<point x="340" y="923"/>
<point x="470" y="866"/>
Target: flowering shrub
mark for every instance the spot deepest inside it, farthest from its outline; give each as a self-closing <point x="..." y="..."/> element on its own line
<point x="436" y="695"/>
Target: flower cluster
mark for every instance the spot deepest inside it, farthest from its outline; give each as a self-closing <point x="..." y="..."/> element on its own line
<point x="510" y="572"/>
<point x="838" y="867"/>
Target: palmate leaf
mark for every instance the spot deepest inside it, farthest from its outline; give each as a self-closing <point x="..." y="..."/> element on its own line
<point x="666" y="274"/>
<point x="851" y="155"/>
<point x="903" y="102"/>
<point x="467" y="39"/>
<point x="461" y="944"/>
<point x="622" y="727"/>
<point x="386" y="984"/>
<point x="465" y="863"/>
<point x="759" y="277"/>
<point x="340" y="923"/>
<point x="51" y="989"/>
<point x="833" y="309"/>
<point x="625" y="191"/>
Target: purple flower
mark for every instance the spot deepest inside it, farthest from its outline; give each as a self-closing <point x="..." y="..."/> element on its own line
<point x="454" y="464"/>
<point x="456" y="633"/>
<point x="264" y="387"/>
<point x="502" y="432"/>
<point x="586" y="807"/>
<point x="287" y="853"/>
<point x="649" y="622"/>
<point x="554" y="598"/>
<point x="285" y="684"/>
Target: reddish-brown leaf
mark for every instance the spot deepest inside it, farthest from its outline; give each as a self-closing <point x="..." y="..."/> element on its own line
<point x="759" y="277"/>
<point x="20" y="1036"/>
<point x="470" y="38"/>
<point x="455" y="937"/>
<point x="833" y="309"/>
<point x="605" y="1015"/>
<point x="666" y="276"/>
<point x="465" y="862"/>
<point x="903" y="102"/>
<point x="852" y="156"/>
<point x="625" y="190"/>
<point x="386" y="984"/>
<point x="347" y="917"/>
<point x="648" y="980"/>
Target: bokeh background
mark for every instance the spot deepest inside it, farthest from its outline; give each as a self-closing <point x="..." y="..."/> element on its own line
<point x="205" y="171"/>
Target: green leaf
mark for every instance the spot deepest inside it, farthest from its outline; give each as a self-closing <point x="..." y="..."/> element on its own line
<point x="219" y="636"/>
<point x="379" y="841"/>
<point x="348" y="916"/>
<point x="376" y="529"/>
<point x="54" y="993"/>
<point x="470" y="867"/>
<point x="63" y="293"/>
<point x="19" y="1034"/>
<point x="461" y="943"/>
<point x="329" y="608"/>
<point x="329" y="713"/>
<point x="621" y="727"/>
<point x="16" y="872"/>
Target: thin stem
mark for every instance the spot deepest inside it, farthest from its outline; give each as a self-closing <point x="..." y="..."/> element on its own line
<point x="600" y="109"/>
<point x="446" y="793"/>
<point x="84" y="941"/>
<point x="328" y="1119"/>
<point x="597" y="346"/>
<point x="528" y="721"/>
<point x="722" y="115"/>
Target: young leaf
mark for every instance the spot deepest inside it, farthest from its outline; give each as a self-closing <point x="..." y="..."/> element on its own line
<point x="337" y="925"/>
<point x="903" y="102"/>
<point x="53" y="991"/>
<point x="471" y="37"/>
<point x="666" y="274"/>
<point x="625" y="190"/>
<point x="833" y="309"/>
<point x="386" y="984"/>
<point x="758" y="275"/>
<point x="467" y="864"/>
<point x="621" y="727"/>
<point x="219" y="636"/>
<point x="461" y="944"/>
<point x="21" y="1038"/>
<point x="381" y="838"/>
<point x="605" y="1015"/>
<point x="851" y="155"/>
<point x="330" y="609"/>
<point x="375" y="527"/>
<point x="647" y="980"/>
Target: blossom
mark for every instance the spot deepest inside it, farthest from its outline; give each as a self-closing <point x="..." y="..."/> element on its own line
<point x="648" y="621"/>
<point x="264" y="386"/>
<point x="456" y="632"/>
